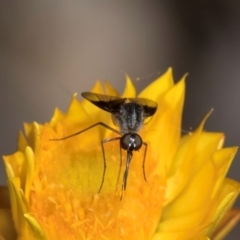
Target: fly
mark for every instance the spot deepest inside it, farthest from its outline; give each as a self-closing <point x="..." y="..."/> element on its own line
<point x="129" y="114"/>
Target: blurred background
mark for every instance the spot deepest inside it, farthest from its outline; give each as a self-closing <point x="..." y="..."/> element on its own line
<point x="51" y="49"/>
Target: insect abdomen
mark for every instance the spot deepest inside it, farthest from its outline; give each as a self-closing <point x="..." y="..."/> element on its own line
<point x="130" y="117"/>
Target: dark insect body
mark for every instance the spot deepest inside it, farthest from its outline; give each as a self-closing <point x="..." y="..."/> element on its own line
<point x="129" y="114"/>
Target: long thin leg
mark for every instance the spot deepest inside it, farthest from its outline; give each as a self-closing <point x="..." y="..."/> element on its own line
<point x="94" y="125"/>
<point x="104" y="158"/>
<point x="144" y="158"/>
<point x="102" y="142"/>
<point x="125" y="176"/>
<point x="120" y="164"/>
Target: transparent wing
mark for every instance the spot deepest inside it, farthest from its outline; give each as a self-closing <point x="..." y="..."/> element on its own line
<point x="149" y="106"/>
<point x="108" y="103"/>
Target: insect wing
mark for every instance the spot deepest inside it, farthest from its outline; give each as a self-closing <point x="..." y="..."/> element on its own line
<point x="108" y="103"/>
<point x="149" y="106"/>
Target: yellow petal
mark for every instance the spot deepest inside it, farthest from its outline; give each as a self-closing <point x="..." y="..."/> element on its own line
<point x="94" y="113"/>
<point x="35" y="230"/>
<point x="90" y="109"/>
<point x="26" y="226"/>
<point x="130" y="90"/>
<point x="230" y="220"/>
<point x="72" y="119"/>
<point x="225" y="199"/>
<point x="29" y="132"/>
<point x="163" y="131"/>
<point x="7" y="230"/>
<point x="192" y="202"/>
<point x="195" y="209"/>
<point x="4" y="197"/>
<point x="222" y="160"/>
<point x="32" y="132"/>
<point x="57" y="116"/>
<point x="15" y="166"/>
<point x="156" y="90"/>
<point x="206" y="144"/>
<point x="193" y="233"/>
<point x="37" y="128"/>
<point x="22" y="142"/>
<point x="110" y="90"/>
<point x="195" y="149"/>
<point x="14" y="186"/>
<point x="30" y="170"/>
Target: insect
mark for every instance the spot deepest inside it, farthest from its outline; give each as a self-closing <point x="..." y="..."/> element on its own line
<point x="129" y="114"/>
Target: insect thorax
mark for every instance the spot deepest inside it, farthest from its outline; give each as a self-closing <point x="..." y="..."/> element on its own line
<point x="129" y="117"/>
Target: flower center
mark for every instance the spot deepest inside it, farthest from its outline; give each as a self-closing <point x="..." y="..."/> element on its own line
<point x="65" y="194"/>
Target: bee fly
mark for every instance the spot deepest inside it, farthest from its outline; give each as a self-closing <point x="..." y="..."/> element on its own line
<point x="129" y="115"/>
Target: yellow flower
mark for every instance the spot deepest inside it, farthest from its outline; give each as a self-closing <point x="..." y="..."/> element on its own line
<point x="54" y="185"/>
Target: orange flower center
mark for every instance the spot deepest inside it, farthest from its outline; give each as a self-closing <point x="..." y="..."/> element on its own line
<point x="65" y="200"/>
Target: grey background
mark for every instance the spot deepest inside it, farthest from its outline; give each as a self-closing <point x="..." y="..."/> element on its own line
<point x="50" y="49"/>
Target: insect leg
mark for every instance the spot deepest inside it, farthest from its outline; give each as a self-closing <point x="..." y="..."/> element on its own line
<point x="120" y="165"/>
<point x="94" y="125"/>
<point x="144" y="158"/>
<point x="104" y="158"/>
<point x="102" y="142"/>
